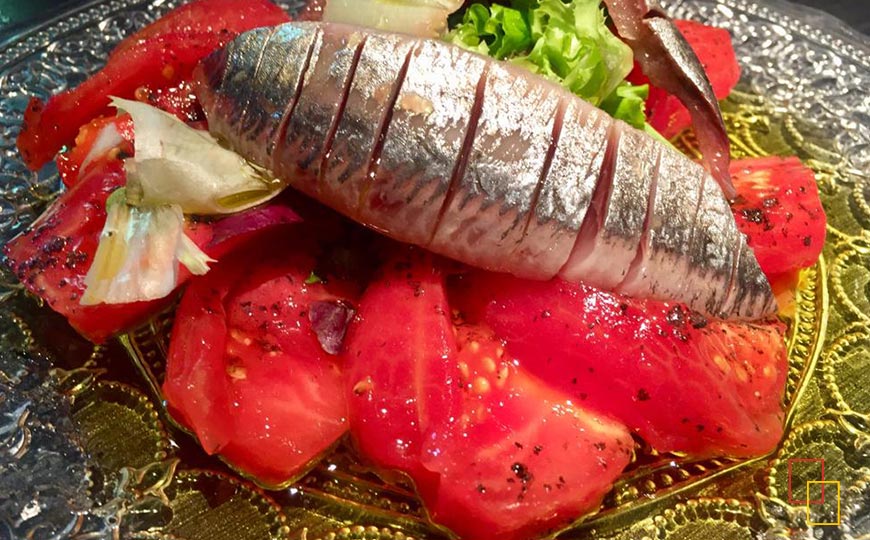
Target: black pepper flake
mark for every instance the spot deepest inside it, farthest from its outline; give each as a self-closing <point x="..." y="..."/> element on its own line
<point x="74" y="258"/>
<point x="697" y="320"/>
<point x="752" y="215"/>
<point x="54" y="245"/>
<point x="522" y="472"/>
<point x="537" y="449"/>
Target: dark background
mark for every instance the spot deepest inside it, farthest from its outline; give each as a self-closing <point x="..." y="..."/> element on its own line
<point x="16" y="15"/>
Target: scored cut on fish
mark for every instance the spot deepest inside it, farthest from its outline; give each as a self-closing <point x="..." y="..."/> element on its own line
<point x="481" y="161"/>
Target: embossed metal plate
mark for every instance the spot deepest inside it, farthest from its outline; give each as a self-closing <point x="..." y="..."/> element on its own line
<point x="87" y="451"/>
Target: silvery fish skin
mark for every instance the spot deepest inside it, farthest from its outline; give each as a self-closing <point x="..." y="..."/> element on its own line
<point x="480" y="161"/>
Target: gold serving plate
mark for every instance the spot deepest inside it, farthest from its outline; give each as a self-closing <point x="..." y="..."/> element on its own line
<point x="165" y="487"/>
<point x="148" y="479"/>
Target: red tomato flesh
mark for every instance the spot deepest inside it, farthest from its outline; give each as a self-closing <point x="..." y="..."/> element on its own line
<point x="681" y="382"/>
<point x="245" y="370"/>
<point x="217" y="16"/>
<point x="523" y="459"/>
<point x="53" y="257"/>
<point x="779" y="210"/>
<point x="175" y="44"/>
<point x="399" y="352"/>
<point x="493" y="451"/>
<point x="110" y="136"/>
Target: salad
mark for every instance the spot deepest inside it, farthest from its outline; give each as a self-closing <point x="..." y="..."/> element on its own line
<point x="511" y="404"/>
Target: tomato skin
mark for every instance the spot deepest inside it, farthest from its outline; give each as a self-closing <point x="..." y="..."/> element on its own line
<point x="230" y="16"/>
<point x="159" y="62"/>
<point x="245" y="370"/>
<point x="492" y="451"/>
<point x="714" y="49"/>
<point x="779" y="210"/>
<point x="683" y="383"/>
<point x="173" y="47"/>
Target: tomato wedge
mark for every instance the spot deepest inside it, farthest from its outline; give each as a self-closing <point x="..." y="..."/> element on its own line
<point x="523" y="459"/>
<point x="246" y="371"/>
<point x="174" y="46"/>
<point x="399" y="363"/>
<point x="779" y="210"/>
<point x="493" y="452"/>
<point x="681" y="382"/>
<point x="52" y="258"/>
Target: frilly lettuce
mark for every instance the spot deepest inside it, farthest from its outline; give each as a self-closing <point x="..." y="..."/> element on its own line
<point x="567" y="42"/>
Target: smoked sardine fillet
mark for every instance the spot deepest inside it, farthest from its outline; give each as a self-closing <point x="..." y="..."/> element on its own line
<point x="481" y="161"/>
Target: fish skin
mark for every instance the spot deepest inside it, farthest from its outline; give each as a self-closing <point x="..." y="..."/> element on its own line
<point x="748" y="297"/>
<point x="566" y="193"/>
<point x="232" y="91"/>
<point x="379" y="74"/>
<point x="664" y="250"/>
<point x="423" y="143"/>
<point x="306" y="136"/>
<point x="619" y="214"/>
<point x="439" y="173"/>
<point x="283" y="55"/>
<point x="492" y="198"/>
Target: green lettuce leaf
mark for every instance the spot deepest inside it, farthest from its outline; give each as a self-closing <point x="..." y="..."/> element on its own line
<point x="565" y="41"/>
<point x="627" y="103"/>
